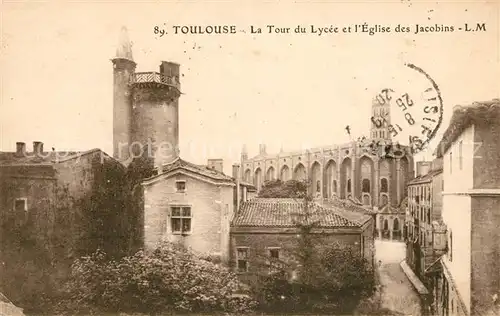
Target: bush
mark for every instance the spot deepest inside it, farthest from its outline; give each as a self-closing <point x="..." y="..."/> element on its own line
<point x="169" y="279"/>
<point x="334" y="281"/>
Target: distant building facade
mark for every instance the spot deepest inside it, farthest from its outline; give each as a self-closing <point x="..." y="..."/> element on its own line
<point x="373" y="171"/>
<point x="470" y="276"/>
<point x="425" y="232"/>
<point x="391" y="221"/>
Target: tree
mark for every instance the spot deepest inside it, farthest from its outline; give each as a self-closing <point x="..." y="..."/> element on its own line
<point x="170" y="279"/>
<point x="329" y="275"/>
<point x="280" y="189"/>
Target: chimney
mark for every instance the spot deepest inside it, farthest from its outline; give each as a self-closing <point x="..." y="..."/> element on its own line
<point x="423" y="168"/>
<point x="216" y="164"/>
<point x="20" y="149"/>
<point x="262" y="149"/>
<point x="37" y="148"/>
<point x="171" y="72"/>
<point x="244" y="153"/>
<point x="237" y="193"/>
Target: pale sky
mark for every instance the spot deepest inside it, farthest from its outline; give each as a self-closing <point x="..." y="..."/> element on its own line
<point x="295" y="90"/>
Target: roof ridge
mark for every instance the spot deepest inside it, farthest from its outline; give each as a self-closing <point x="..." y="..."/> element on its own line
<point x="266" y="212"/>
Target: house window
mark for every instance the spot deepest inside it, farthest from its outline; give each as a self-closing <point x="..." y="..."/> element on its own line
<point x="242" y="259"/>
<point x="274" y="256"/>
<point x="180" y="186"/>
<point x="181" y="219"/>
<point x="274" y="253"/>
<point x="460" y="158"/>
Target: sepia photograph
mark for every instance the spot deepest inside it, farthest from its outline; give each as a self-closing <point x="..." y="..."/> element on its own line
<point x="250" y="158"/>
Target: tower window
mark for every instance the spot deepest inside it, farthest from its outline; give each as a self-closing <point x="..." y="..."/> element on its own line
<point x="21" y="210"/>
<point x="349" y="185"/>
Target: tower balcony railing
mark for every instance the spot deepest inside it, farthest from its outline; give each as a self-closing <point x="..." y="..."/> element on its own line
<point x="151" y="77"/>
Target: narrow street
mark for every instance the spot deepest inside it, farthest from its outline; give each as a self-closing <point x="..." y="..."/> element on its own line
<point x="397" y="293"/>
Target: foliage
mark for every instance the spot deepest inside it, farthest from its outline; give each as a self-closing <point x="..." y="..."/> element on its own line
<point x="280" y="189"/>
<point x="169" y="279"/>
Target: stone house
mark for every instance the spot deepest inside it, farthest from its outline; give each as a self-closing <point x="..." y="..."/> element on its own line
<point x="263" y="229"/>
<point x="192" y="205"/>
<point x="469" y="283"/>
<point x="45" y="214"/>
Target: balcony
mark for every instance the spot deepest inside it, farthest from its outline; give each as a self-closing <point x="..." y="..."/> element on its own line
<point x="155" y="77"/>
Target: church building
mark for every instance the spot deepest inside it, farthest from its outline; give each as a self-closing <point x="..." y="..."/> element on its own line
<point x="372" y="171"/>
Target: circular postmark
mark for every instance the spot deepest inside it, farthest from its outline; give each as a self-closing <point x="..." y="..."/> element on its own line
<point x="407" y="111"/>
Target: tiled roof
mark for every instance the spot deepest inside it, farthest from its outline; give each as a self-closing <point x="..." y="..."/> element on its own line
<point x="478" y="113"/>
<point x="179" y="163"/>
<point x="285" y="212"/>
<point x="46" y="158"/>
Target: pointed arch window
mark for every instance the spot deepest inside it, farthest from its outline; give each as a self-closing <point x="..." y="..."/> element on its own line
<point x="395" y="225"/>
<point x="366" y="185"/>
<point x="384" y="185"/>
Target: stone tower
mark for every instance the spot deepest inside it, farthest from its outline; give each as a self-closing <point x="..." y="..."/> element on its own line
<point x="145" y="108"/>
<point x="381" y="119"/>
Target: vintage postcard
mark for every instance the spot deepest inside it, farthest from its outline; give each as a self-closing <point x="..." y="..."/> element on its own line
<point x="250" y="158"/>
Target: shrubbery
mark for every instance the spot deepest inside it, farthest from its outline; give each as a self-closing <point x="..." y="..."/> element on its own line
<point x="169" y="279"/>
<point x="336" y="283"/>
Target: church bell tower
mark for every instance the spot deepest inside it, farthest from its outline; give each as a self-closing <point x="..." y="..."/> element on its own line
<point x="380" y="119"/>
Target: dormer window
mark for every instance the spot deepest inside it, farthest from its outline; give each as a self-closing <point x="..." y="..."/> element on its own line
<point x="180" y="186"/>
